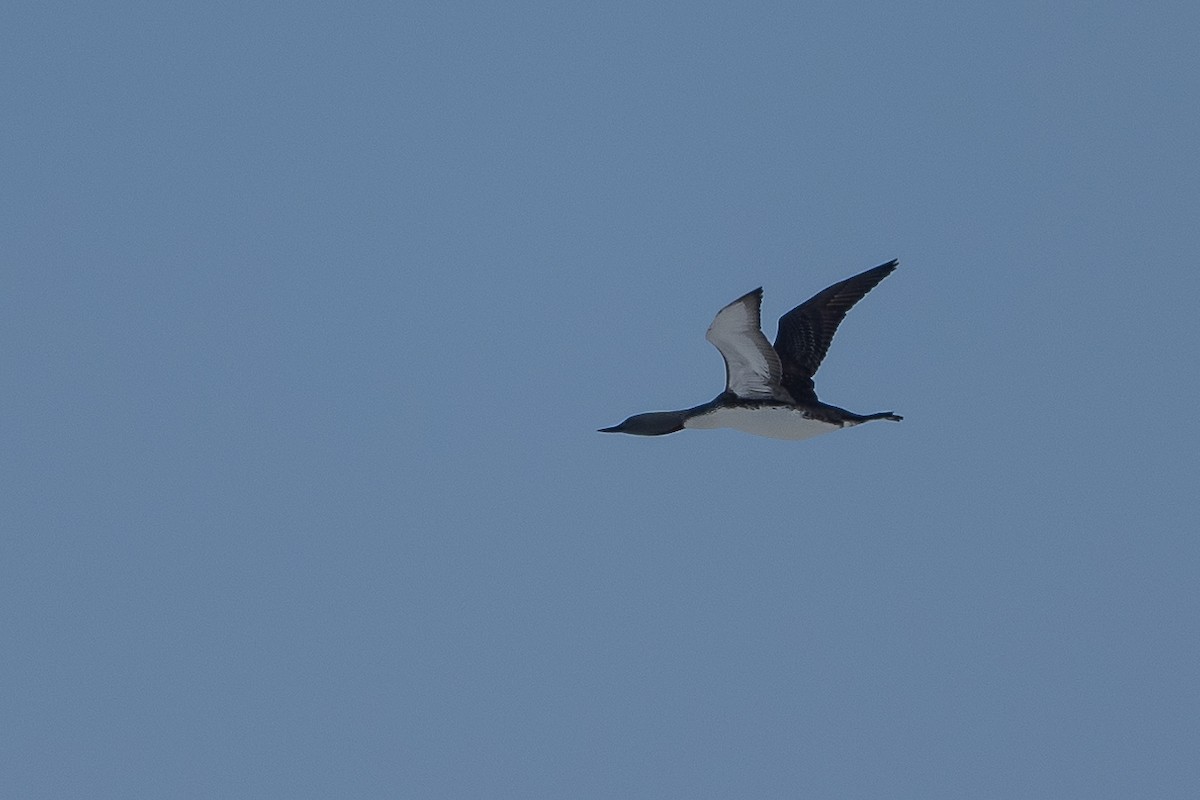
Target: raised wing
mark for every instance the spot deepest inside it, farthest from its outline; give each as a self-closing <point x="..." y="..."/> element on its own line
<point x="752" y="368"/>
<point x="806" y="331"/>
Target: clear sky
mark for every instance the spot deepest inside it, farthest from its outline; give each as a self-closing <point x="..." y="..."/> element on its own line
<point x="309" y="313"/>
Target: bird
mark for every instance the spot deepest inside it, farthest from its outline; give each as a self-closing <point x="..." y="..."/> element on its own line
<point x="769" y="390"/>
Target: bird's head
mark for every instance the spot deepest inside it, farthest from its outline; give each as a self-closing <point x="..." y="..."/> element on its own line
<point x="656" y="423"/>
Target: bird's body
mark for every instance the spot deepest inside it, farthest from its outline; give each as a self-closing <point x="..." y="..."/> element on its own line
<point x="773" y="420"/>
<point x="779" y="420"/>
<point x="769" y="389"/>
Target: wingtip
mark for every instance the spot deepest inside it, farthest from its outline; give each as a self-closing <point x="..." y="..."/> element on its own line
<point x="755" y="293"/>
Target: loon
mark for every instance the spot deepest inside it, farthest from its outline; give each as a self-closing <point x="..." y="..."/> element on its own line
<point x="769" y="391"/>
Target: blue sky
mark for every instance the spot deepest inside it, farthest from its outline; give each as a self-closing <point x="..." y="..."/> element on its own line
<point x="310" y="312"/>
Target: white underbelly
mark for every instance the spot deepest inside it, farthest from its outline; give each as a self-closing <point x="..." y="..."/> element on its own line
<point x="775" y="422"/>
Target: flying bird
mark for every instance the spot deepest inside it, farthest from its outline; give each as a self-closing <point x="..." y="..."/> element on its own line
<point x="769" y="389"/>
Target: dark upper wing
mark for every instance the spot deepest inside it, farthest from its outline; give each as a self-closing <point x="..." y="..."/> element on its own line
<point x="751" y="364"/>
<point x="806" y="331"/>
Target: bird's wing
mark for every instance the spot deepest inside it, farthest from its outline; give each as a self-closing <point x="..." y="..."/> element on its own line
<point x="806" y="331"/>
<point x="752" y="368"/>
